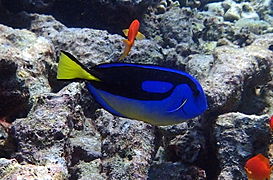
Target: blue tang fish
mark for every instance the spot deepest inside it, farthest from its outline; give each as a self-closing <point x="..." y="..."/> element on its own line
<point x="153" y="94"/>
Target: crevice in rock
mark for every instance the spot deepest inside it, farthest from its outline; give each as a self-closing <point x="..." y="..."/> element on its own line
<point x="209" y="162"/>
<point x="252" y="103"/>
<point x="253" y="99"/>
<point x="56" y="85"/>
<point x="80" y="154"/>
<point x="207" y="159"/>
<point x="7" y="145"/>
<point x="14" y="96"/>
<point x="88" y="104"/>
<point x="74" y="174"/>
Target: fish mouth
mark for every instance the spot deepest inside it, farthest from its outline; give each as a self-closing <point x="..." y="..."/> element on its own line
<point x="179" y="107"/>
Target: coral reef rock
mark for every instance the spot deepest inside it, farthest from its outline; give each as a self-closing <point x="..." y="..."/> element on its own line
<point x="239" y="137"/>
<point x="127" y="146"/>
<point x="11" y="169"/>
<point x="92" y="46"/>
<point x="24" y="63"/>
<point x="52" y="129"/>
<point x="236" y="69"/>
<point x="168" y="170"/>
<point x="116" y="15"/>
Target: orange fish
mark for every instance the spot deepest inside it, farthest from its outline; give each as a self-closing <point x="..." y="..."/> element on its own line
<point x="132" y="34"/>
<point x="258" y="168"/>
<point x="271" y="122"/>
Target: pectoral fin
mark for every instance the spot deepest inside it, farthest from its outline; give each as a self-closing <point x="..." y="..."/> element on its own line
<point x="140" y="36"/>
<point x="125" y="32"/>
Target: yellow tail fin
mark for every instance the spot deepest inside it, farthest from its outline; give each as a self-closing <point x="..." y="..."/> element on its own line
<point x="70" y="68"/>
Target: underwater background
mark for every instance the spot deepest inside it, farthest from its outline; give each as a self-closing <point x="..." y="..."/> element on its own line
<point x="52" y="129"/>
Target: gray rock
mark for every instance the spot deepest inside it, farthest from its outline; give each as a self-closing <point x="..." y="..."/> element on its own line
<point x="4" y="164"/>
<point x="195" y="3"/>
<point x="11" y="169"/>
<point x="176" y="29"/>
<point x="264" y="9"/>
<point x="249" y="12"/>
<point x="254" y="26"/>
<point x="267" y="93"/>
<point x="102" y="146"/>
<point x="173" y="30"/>
<point x="214" y="24"/>
<point x="85" y="143"/>
<point x="199" y="65"/>
<point x="88" y="171"/>
<point x="233" y="13"/>
<point x="164" y="5"/>
<point x="235" y="10"/>
<point x="264" y="41"/>
<point x="3" y="133"/>
<point x="24" y="61"/>
<point x="268" y="18"/>
<point x="89" y="46"/>
<point x="187" y="147"/>
<point x="127" y="146"/>
<point x="175" y="171"/>
<point x="94" y="46"/>
<point x="117" y="15"/>
<point x="184" y="142"/>
<point x="42" y="136"/>
<point x="56" y="132"/>
<point x="215" y="8"/>
<point x="232" y="172"/>
<point x="242" y="19"/>
<point x="227" y="4"/>
<point x="217" y="32"/>
<point x="171" y="23"/>
<point x="234" y="70"/>
<point x="239" y="137"/>
<point x="45" y="26"/>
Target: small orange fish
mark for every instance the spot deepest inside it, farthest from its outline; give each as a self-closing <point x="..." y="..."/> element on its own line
<point x="271" y="122"/>
<point x="258" y="168"/>
<point x="132" y="34"/>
